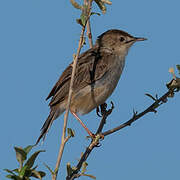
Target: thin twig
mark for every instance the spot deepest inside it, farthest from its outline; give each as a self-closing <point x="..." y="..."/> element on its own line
<point x="151" y="108"/>
<point x="88" y="26"/>
<point x="138" y="116"/>
<point x="89" y="34"/>
<point x="105" y="113"/>
<point x="63" y="139"/>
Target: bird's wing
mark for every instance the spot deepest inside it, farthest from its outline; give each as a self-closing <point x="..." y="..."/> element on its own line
<point x="91" y="66"/>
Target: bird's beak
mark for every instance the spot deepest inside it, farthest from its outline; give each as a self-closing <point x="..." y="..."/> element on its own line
<point x="140" y="39"/>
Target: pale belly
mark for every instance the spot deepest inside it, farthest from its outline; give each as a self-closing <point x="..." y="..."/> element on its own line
<point x="94" y="95"/>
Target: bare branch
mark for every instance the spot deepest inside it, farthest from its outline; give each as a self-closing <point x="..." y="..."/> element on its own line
<point x="88" y="33"/>
<point x="94" y="143"/>
<point x="157" y="103"/>
<point x="105" y="113"/>
<point x="136" y="116"/>
<point x="63" y="139"/>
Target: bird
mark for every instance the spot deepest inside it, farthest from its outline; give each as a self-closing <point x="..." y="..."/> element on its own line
<point x="97" y="74"/>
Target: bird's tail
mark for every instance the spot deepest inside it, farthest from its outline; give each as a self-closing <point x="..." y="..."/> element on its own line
<point x="46" y="126"/>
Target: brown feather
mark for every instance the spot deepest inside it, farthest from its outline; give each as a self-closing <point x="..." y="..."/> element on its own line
<point x="91" y="67"/>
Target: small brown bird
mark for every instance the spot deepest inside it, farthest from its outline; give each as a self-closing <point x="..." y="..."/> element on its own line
<point x="97" y="74"/>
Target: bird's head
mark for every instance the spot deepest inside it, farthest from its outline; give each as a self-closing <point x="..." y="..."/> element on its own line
<point x="118" y="41"/>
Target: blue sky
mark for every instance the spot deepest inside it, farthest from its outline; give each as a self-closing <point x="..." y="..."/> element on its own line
<point x="37" y="41"/>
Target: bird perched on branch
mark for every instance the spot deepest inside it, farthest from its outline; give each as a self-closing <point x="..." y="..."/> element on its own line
<point x="97" y="73"/>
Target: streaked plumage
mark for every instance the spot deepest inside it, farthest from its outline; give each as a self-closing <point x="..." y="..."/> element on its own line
<point x="97" y="73"/>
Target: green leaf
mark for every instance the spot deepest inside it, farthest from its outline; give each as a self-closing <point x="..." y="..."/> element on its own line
<point x="28" y="173"/>
<point x="178" y="67"/>
<point x="101" y="6"/>
<point x="75" y="4"/>
<point x="84" y="167"/>
<point x="84" y="15"/>
<point x="51" y="171"/>
<point x="23" y="171"/>
<point x="107" y="2"/>
<point x="13" y="177"/>
<point x="16" y="170"/>
<point x="38" y="174"/>
<point x="93" y="13"/>
<point x="70" y="132"/>
<point x="28" y="149"/>
<point x="83" y="19"/>
<point x="31" y="160"/>
<point x="20" y="155"/>
<point x="9" y="171"/>
<point x="34" y="167"/>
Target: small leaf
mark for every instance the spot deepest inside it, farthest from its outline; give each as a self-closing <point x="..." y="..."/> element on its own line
<point x="51" y="171"/>
<point x="13" y="177"/>
<point x="74" y="168"/>
<point x="31" y="160"/>
<point x="16" y="170"/>
<point x="10" y="176"/>
<point x="70" y="132"/>
<point x="107" y="2"/>
<point x="79" y="22"/>
<point x="38" y="174"/>
<point x="84" y="15"/>
<point x="84" y="167"/>
<point x="20" y="154"/>
<point x="101" y="5"/>
<point x="83" y="19"/>
<point x="178" y="67"/>
<point x="34" y="167"/>
<point x="28" y="173"/>
<point x="75" y="4"/>
<point x="23" y="171"/>
<point x="93" y="13"/>
<point x="28" y="148"/>
<point x="9" y="171"/>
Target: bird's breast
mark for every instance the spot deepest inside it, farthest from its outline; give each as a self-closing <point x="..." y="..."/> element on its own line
<point x="95" y="94"/>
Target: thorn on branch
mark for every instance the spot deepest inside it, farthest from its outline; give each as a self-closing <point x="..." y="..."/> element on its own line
<point x="154" y="99"/>
<point x="156" y="96"/>
<point x="134" y="113"/>
<point x="156" y="103"/>
<point x="154" y="110"/>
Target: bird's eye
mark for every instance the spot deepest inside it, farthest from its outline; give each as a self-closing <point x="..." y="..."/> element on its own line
<point x="122" y="39"/>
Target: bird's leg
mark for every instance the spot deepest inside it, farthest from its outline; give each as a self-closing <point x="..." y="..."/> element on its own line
<point x="84" y="126"/>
